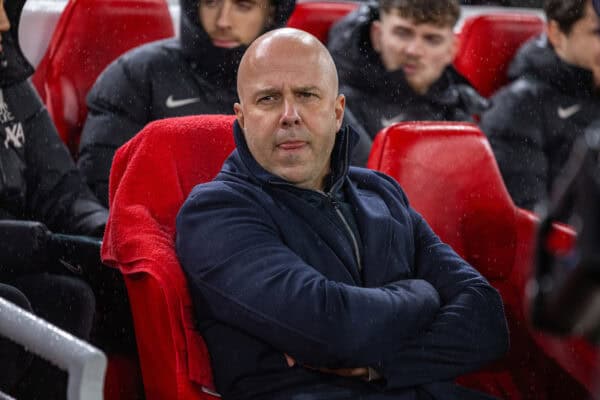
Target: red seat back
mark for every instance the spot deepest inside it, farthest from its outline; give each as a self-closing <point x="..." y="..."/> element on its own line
<point x="88" y="36"/>
<point x="316" y="17"/>
<point x="487" y="45"/>
<point x="151" y="176"/>
<point x="450" y="176"/>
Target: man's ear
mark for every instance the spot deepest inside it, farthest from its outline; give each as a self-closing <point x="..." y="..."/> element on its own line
<point x="340" y="105"/>
<point x="237" y="109"/>
<point x="375" y="33"/>
<point x="455" y="46"/>
<point x="555" y="35"/>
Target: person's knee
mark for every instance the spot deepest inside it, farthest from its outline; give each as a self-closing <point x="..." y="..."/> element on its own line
<point x="15" y="296"/>
<point x="65" y="301"/>
<point x="15" y="359"/>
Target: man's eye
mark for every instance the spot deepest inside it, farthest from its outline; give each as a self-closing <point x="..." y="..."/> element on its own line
<point x="266" y="99"/>
<point x="245" y="5"/>
<point x="434" y="40"/>
<point x="403" y="33"/>
<point x="307" y="95"/>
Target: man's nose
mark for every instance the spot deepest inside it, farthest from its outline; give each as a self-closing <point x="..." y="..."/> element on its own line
<point x="290" y="116"/>
<point x="224" y="16"/>
<point x="414" y="48"/>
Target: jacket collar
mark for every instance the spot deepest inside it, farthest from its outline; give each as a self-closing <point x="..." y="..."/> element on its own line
<point x="14" y="67"/>
<point x="245" y="163"/>
<point x="537" y="59"/>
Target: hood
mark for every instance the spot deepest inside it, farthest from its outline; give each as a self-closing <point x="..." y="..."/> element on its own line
<point x="350" y="46"/>
<point x="537" y="59"/>
<point x="214" y="63"/>
<point x="360" y="66"/>
<point x="14" y="67"/>
<point x="346" y="140"/>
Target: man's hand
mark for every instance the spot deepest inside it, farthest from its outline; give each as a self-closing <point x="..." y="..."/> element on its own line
<point x="361" y="373"/>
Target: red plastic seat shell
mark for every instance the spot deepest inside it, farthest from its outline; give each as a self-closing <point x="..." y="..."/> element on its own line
<point x="317" y="17"/>
<point x="88" y="36"/>
<point x="488" y="43"/>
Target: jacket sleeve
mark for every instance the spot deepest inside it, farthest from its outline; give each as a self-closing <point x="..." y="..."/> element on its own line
<point x="469" y="330"/>
<point x="515" y="129"/>
<point x="118" y="107"/>
<point x="240" y="270"/>
<point x="56" y="193"/>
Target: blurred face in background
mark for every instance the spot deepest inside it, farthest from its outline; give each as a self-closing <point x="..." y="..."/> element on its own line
<point x="4" y="22"/>
<point x="422" y="51"/>
<point x="581" y="46"/>
<point x="232" y="23"/>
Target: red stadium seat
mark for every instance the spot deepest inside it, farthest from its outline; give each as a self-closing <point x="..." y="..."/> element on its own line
<point x="88" y="36"/>
<point x="151" y="176"/>
<point x="450" y="175"/>
<point x="488" y="44"/>
<point x="316" y="17"/>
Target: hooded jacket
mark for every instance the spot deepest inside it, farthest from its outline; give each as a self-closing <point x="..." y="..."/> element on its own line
<point x="535" y="120"/>
<point x="379" y="98"/>
<point x="169" y="78"/>
<point x="38" y="179"/>
<point x="348" y="277"/>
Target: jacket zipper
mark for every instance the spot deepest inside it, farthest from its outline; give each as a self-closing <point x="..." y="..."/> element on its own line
<point x="339" y="213"/>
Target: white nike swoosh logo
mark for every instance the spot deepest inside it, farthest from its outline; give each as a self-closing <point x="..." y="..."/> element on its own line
<point x="567" y="112"/>
<point x="387" y="122"/>
<point x="172" y="103"/>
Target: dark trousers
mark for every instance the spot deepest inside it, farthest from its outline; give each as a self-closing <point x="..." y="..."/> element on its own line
<point x="64" y="301"/>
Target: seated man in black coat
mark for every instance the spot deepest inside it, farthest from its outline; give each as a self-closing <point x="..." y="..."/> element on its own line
<point x="193" y="73"/>
<point x="312" y="279"/>
<point x="394" y="62"/>
<point x="535" y="120"/>
<point x="38" y="182"/>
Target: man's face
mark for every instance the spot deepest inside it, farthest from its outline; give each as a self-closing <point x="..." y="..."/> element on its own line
<point x="581" y="46"/>
<point x="290" y="112"/>
<point x="422" y="51"/>
<point x="4" y="22"/>
<point x="231" y="23"/>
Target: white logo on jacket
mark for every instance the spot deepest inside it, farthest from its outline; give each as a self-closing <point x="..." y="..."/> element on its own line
<point x="567" y="112"/>
<point x="5" y="114"/>
<point x="172" y="103"/>
<point x="14" y="135"/>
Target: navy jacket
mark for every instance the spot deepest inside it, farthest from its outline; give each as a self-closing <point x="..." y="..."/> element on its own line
<point x="535" y="120"/>
<point x="379" y="98"/>
<point x="272" y="270"/>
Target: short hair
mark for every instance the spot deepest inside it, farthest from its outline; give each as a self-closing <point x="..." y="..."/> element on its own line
<point x="565" y="12"/>
<point x="436" y="12"/>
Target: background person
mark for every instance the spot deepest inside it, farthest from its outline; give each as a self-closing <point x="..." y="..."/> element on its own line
<point x="394" y="61"/>
<point x="535" y="120"/>
<point x="38" y="182"/>
<point x="193" y="73"/>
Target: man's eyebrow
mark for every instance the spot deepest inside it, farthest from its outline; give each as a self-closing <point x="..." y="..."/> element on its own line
<point x="306" y="89"/>
<point x="265" y="91"/>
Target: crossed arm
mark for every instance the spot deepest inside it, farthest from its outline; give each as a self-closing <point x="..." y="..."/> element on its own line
<point x="254" y="282"/>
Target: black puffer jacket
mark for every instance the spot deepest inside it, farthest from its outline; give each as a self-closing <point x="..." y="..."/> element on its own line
<point x="169" y="78"/>
<point x="535" y="120"/>
<point x="379" y="98"/>
<point x="38" y="179"/>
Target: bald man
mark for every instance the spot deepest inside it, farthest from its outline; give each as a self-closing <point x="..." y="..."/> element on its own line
<point x="315" y="280"/>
